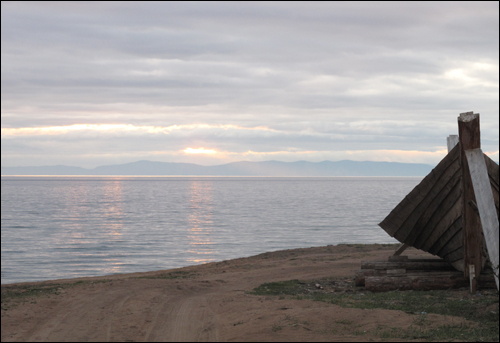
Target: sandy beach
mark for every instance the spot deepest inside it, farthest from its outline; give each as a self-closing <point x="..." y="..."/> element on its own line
<point x="210" y="302"/>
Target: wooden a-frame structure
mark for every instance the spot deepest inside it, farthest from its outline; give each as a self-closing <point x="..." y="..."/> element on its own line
<point x="453" y="212"/>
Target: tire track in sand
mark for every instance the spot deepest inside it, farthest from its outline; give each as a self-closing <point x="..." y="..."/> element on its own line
<point x="184" y="319"/>
<point x="75" y="320"/>
<point x="111" y="317"/>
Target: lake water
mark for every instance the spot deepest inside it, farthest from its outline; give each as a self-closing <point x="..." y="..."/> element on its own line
<point x="64" y="227"/>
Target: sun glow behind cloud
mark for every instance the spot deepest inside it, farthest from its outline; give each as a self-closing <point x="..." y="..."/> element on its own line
<point x="269" y="91"/>
<point x="199" y="151"/>
<point x="236" y="143"/>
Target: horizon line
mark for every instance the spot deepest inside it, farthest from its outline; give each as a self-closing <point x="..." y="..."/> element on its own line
<point x="104" y="165"/>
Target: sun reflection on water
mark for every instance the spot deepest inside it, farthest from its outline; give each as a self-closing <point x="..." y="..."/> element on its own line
<point x="102" y="206"/>
<point x="201" y="222"/>
<point x="113" y="210"/>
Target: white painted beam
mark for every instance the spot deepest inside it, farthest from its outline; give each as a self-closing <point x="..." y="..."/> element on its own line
<point x="485" y="204"/>
<point x="451" y="141"/>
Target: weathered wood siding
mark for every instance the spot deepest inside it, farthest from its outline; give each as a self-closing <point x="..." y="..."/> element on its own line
<point x="430" y="216"/>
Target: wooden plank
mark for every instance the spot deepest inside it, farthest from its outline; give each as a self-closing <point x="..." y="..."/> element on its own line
<point x="440" y="246"/>
<point x="470" y="138"/>
<point x="444" y="224"/>
<point x="417" y="221"/>
<point x="401" y="212"/>
<point x="493" y="169"/>
<point x="493" y="173"/>
<point x="455" y="255"/>
<point x="420" y="198"/>
<point x="451" y="141"/>
<point x="485" y="203"/>
<point x="400" y="250"/>
<point x="440" y="205"/>
<point x="450" y="241"/>
<point x="424" y="264"/>
<point x="450" y="207"/>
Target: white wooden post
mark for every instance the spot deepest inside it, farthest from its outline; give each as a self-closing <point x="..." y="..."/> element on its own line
<point x="485" y="204"/>
<point x="451" y="141"/>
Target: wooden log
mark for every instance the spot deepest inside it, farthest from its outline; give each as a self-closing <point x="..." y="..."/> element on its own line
<point x="469" y="137"/>
<point x="397" y="258"/>
<point x="362" y="274"/>
<point x="485" y="204"/>
<point x="423" y="281"/>
<point x="423" y="264"/>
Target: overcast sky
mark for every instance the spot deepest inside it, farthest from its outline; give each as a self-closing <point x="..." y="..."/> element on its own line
<point x="95" y="83"/>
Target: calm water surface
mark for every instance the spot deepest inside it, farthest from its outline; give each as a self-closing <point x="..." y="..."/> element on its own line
<point x="63" y="227"/>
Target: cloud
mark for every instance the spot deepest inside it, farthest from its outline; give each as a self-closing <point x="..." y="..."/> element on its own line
<point x="263" y="77"/>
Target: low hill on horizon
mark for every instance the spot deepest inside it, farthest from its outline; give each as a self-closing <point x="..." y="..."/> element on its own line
<point x="267" y="168"/>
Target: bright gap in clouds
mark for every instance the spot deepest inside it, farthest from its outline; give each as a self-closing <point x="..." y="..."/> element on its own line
<point x="199" y="151"/>
<point x="55" y="130"/>
<point x="120" y="82"/>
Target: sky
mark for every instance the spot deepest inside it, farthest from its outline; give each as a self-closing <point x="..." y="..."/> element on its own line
<point x="98" y="83"/>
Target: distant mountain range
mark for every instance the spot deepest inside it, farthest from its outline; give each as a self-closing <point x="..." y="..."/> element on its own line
<point x="268" y="168"/>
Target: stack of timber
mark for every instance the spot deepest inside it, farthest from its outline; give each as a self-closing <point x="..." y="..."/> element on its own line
<point x="429" y="218"/>
<point x="402" y="273"/>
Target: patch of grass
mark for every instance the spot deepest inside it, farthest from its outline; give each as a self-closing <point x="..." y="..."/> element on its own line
<point x="481" y="308"/>
<point x="276" y="328"/>
<point x="330" y="259"/>
<point x="20" y="293"/>
<point x="292" y="287"/>
<point x="421" y="319"/>
<point x="358" y="333"/>
<point x="417" y="302"/>
<point x="344" y="321"/>
<point x="441" y="333"/>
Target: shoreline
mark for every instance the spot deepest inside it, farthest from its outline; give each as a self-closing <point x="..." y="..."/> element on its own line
<point x="210" y="302"/>
<point x="107" y="276"/>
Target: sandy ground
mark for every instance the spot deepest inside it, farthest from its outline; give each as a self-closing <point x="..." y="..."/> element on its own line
<point x="208" y="303"/>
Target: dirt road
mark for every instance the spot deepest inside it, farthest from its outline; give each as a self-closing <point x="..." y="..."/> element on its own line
<point x="201" y="303"/>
